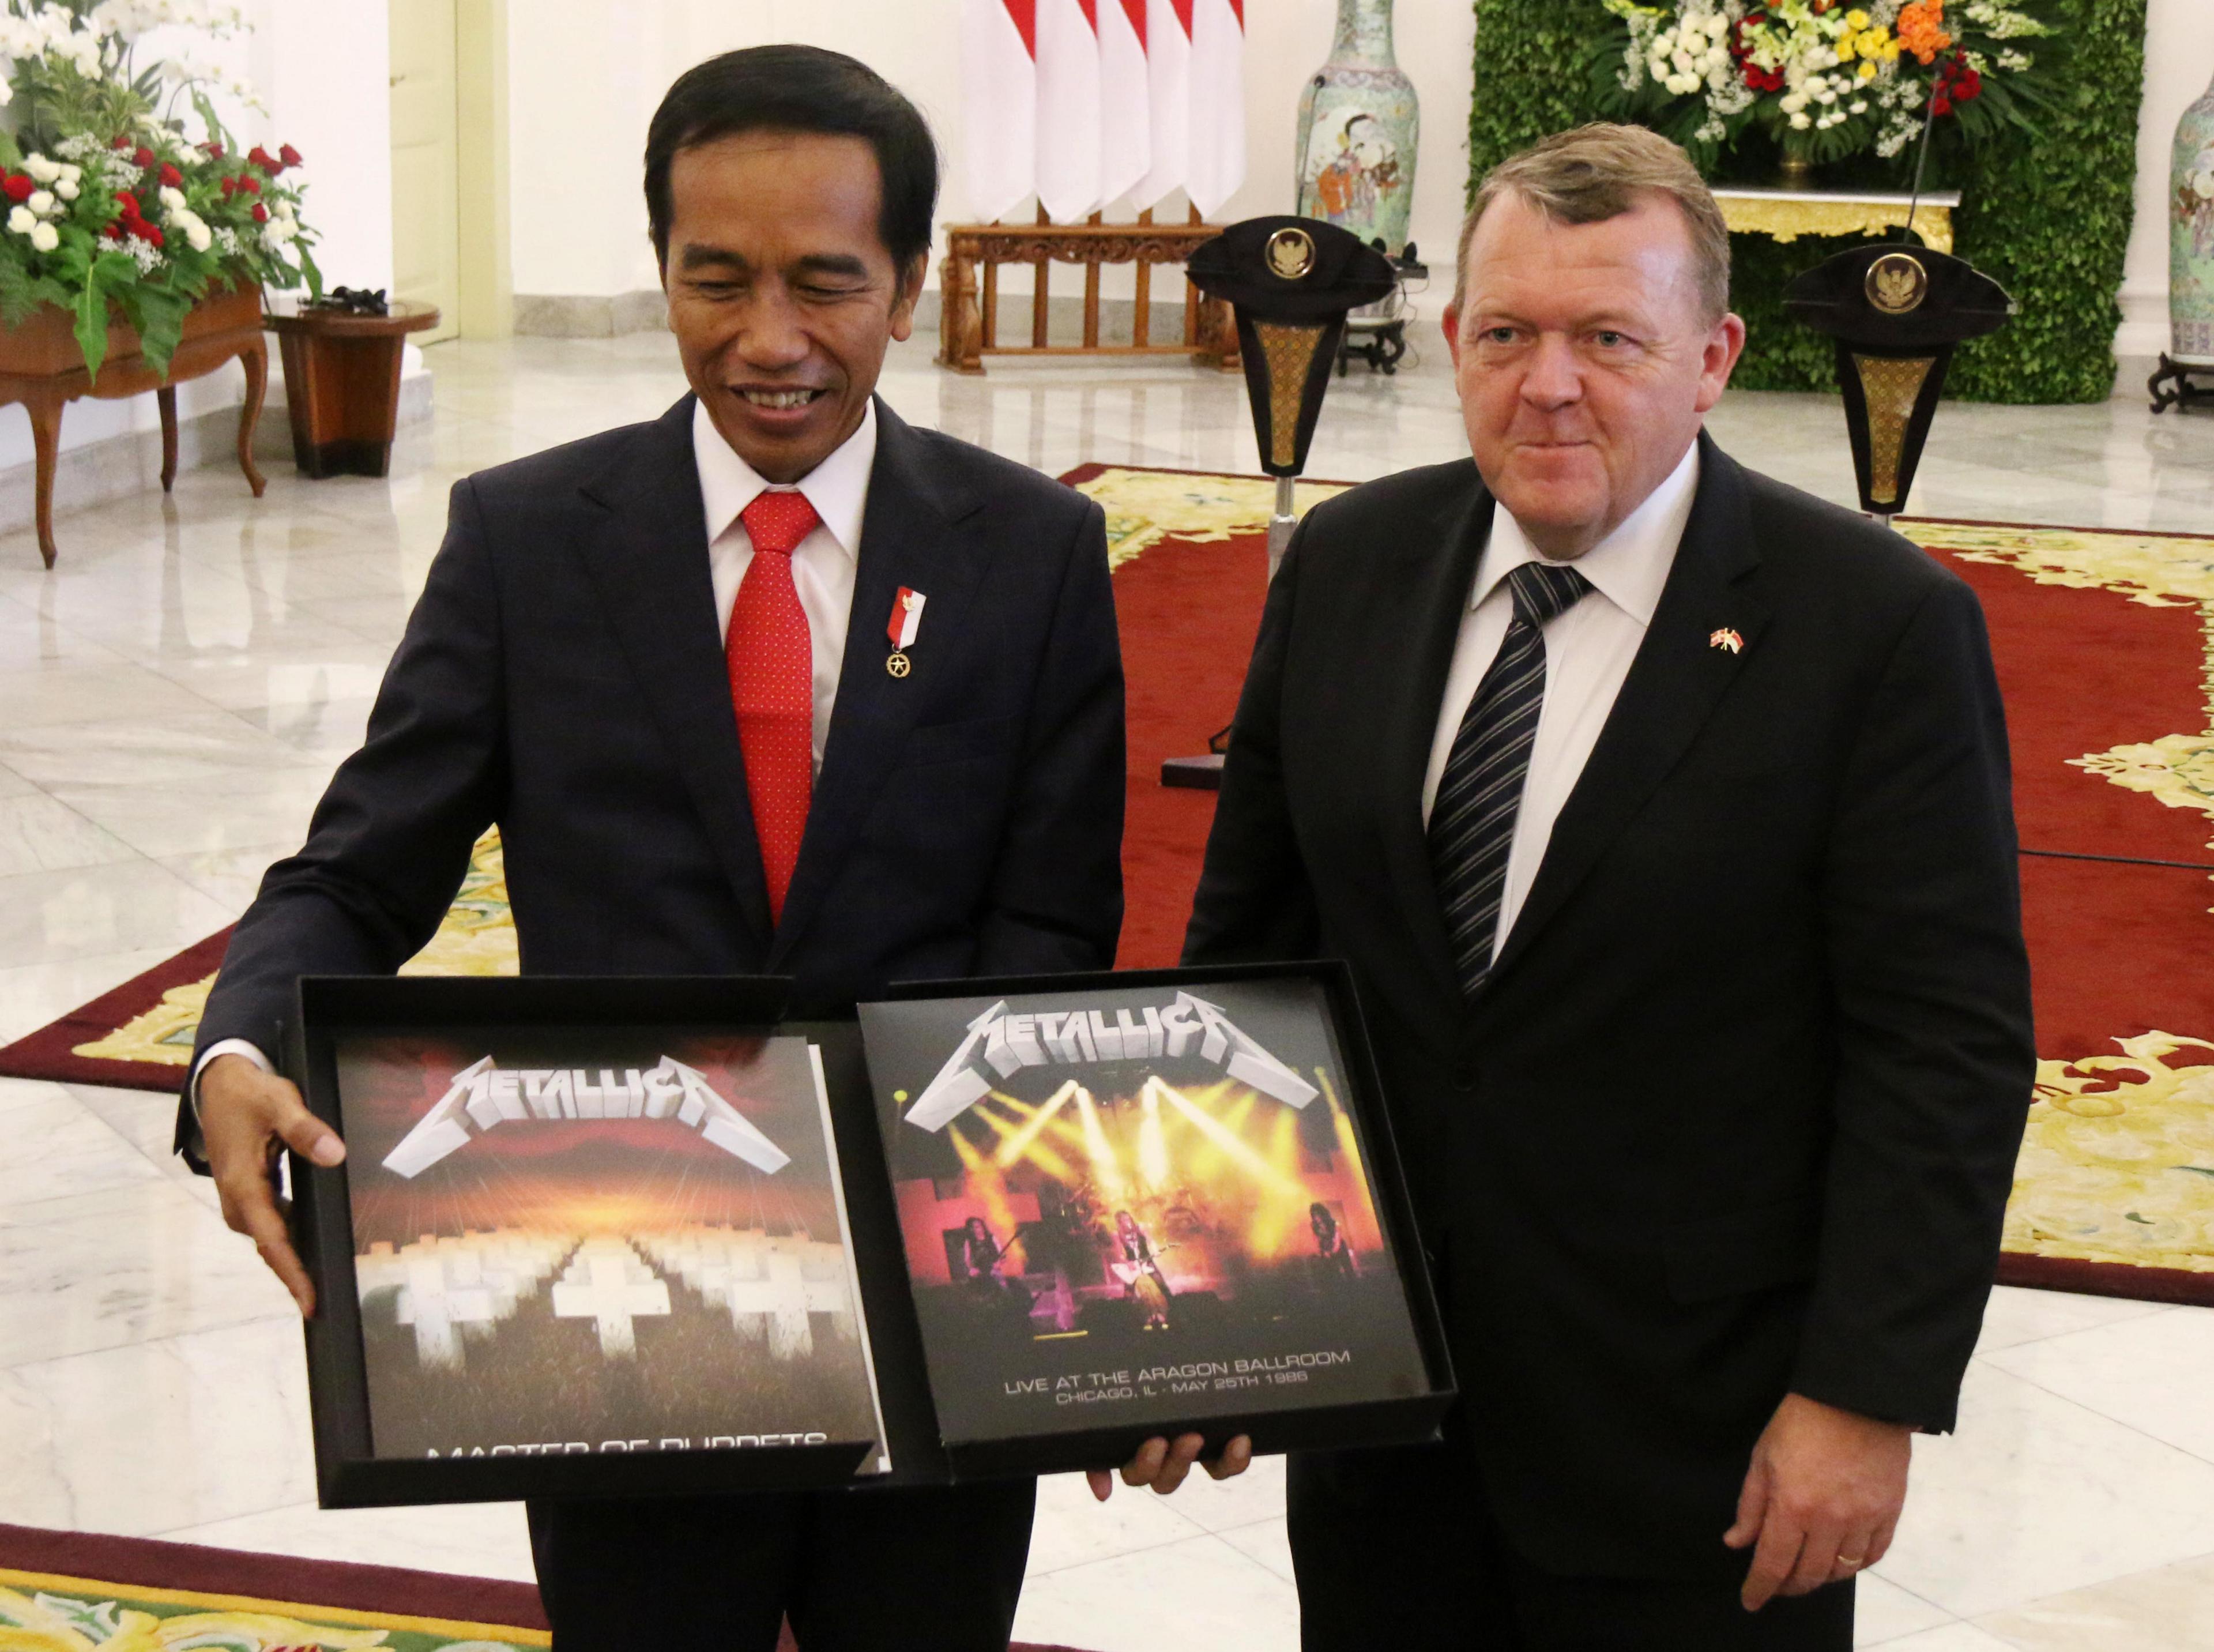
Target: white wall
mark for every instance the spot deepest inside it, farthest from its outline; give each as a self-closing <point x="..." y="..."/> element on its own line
<point x="320" y="69"/>
<point x="2179" y="62"/>
<point x="582" y="93"/>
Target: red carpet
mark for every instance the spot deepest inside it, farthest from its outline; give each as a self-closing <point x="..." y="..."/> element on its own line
<point x="2119" y="948"/>
<point x="165" y="1579"/>
<point x="51" y="1052"/>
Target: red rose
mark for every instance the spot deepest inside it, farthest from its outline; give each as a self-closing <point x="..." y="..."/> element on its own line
<point x="213" y="151"/>
<point x="147" y="232"/>
<point x="17" y="186"/>
<point x="113" y="232"/>
<point x="1940" y="104"/>
<point x="260" y="213"/>
<point x="1969" y="85"/>
<point x="122" y="142"/>
<point x="142" y="157"/>
<point x="229" y="187"/>
<point x="249" y="183"/>
<point x="289" y="156"/>
<point x="171" y="176"/>
<point x="262" y="158"/>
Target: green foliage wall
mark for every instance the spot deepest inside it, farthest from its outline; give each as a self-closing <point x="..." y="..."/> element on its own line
<point x="2046" y="214"/>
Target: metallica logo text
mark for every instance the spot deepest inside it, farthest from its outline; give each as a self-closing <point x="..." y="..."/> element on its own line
<point x="1188" y="1026"/>
<point x="483" y="1095"/>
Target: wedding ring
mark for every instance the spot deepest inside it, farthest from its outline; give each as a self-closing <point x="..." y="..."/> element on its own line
<point x="1853" y="1561"/>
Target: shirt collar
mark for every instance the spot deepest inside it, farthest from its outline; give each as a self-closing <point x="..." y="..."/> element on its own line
<point x="1628" y="566"/>
<point x="838" y="488"/>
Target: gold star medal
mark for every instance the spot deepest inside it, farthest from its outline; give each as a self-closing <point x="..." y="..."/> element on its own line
<point x="906" y="622"/>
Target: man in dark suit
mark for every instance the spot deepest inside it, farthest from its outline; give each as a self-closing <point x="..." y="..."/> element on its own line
<point x="774" y="684"/>
<point x="1662" y="812"/>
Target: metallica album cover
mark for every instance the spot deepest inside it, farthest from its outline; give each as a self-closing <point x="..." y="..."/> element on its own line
<point x="570" y="1240"/>
<point x="1136" y="1206"/>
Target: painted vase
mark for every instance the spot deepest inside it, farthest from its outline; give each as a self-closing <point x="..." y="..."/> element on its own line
<point x="1358" y="124"/>
<point x="2191" y="233"/>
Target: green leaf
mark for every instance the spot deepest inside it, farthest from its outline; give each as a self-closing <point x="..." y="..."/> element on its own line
<point x="91" y="327"/>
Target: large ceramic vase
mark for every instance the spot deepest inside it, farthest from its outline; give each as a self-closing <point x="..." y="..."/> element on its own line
<point x="2191" y="234"/>
<point x="1358" y="123"/>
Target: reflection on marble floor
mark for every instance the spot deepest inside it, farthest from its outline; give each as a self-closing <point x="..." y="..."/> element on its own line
<point x="174" y="695"/>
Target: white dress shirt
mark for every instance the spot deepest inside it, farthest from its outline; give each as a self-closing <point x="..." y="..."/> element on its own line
<point x="822" y="569"/>
<point x="1588" y="651"/>
<point x="823" y="564"/>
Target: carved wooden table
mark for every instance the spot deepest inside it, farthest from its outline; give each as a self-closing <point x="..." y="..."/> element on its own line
<point x="968" y="290"/>
<point x="42" y="367"/>
<point x="1787" y="214"/>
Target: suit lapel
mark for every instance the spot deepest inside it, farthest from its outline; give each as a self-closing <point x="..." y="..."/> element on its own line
<point x="1673" y="686"/>
<point x="647" y="556"/>
<point x="908" y="538"/>
<point x="1429" y="591"/>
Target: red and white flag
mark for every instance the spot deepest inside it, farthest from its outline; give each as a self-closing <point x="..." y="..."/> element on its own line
<point x="1126" y="138"/>
<point x="1216" y="165"/>
<point x="1168" y="88"/>
<point x="1068" y="108"/>
<point x="907" y="617"/>
<point x="998" y="72"/>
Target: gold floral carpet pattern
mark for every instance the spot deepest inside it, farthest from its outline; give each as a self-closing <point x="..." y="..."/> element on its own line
<point x="2115" y="1185"/>
<point x="46" y="1613"/>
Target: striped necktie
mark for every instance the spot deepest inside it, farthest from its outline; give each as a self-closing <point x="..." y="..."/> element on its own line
<point x="1472" y="821"/>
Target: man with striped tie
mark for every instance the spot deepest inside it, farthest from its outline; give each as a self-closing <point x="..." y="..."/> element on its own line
<point x="1662" y="812"/>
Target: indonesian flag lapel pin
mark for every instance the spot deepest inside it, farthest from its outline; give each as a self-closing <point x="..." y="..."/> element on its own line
<point x="906" y="622"/>
<point x="1728" y="640"/>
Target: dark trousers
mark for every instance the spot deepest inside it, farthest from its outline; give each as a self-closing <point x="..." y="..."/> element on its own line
<point x="1397" y="1548"/>
<point x="856" y="1571"/>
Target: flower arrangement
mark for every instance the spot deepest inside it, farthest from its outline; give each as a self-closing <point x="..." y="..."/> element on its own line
<point x="105" y="200"/>
<point x="1824" y="79"/>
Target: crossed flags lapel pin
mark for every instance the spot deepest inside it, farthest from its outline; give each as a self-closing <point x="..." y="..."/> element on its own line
<point x="906" y="623"/>
<point x="1728" y="640"/>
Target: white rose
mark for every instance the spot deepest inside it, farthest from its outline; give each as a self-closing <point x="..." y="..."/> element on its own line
<point x="173" y="198"/>
<point x="1799" y="122"/>
<point x="283" y="209"/>
<point x="45" y="237"/>
<point x="40" y="168"/>
<point x="67" y="189"/>
<point x="1858" y="105"/>
<point x="22" y="220"/>
<point x="199" y="235"/>
<point x="71" y="172"/>
<point x="40" y="201"/>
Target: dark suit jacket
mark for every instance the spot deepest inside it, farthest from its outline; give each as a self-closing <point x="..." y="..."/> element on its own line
<point x="1736" y="1111"/>
<point x="563" y="676"/>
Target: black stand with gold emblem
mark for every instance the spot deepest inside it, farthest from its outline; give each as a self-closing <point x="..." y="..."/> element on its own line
<point x="1290" y="282"/>
<point x="1897" y="312"/>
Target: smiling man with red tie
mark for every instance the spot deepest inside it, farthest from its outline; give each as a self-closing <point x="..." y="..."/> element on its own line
<point x="685" y="667"/>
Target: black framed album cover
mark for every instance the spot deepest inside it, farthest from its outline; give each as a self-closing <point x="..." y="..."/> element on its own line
<point x="1148" y="1202"/>
<point x="618" y="1237"/>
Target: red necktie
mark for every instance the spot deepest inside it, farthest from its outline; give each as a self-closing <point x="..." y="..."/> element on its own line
<point x="771" y="658"/>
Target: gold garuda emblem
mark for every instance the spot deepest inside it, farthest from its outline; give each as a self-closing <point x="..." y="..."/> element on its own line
<point x="1291" y="254"/>
<point x="1897" y="283"/>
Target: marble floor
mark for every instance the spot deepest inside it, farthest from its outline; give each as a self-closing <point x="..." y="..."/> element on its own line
<point x="173" y="695"/>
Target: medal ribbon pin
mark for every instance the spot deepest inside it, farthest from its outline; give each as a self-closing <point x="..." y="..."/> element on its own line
<point x="906" y="622"/>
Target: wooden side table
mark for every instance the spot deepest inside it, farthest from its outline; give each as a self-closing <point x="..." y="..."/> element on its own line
<point x="342" y="385"/>
<point x="41" y="367"/>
